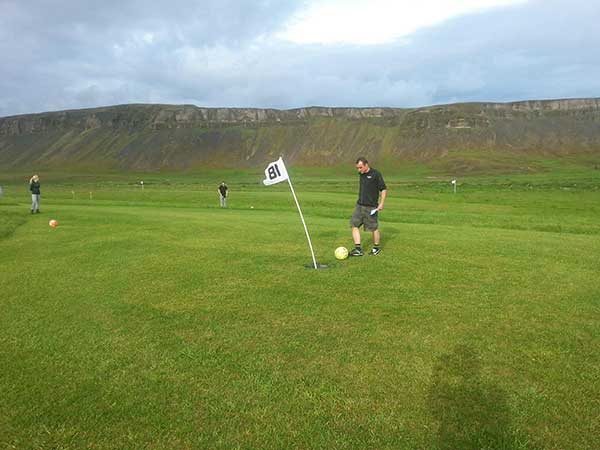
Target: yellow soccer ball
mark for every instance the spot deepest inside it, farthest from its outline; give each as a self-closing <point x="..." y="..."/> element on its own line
<point x="341" y="253"/>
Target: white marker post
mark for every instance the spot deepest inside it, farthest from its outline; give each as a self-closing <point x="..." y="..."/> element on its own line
<point x="142" y="183"/>
<point x="454" y="184"/>
<point x="276" y="173"/>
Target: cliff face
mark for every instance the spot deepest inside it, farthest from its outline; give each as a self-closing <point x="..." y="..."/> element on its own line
<point x="155" y="117"/>
<point x="144" y="137"/>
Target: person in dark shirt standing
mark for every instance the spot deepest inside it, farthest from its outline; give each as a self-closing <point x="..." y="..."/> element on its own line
<point x="223" y="191"/>
<point x="371" y="197"/>
<point x="34" y="187"/>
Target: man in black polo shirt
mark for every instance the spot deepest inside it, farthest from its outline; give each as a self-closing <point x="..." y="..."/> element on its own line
<point x="371" y="197"/>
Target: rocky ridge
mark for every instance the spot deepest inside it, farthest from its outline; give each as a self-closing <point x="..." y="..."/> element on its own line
<point x="140" y="136"/>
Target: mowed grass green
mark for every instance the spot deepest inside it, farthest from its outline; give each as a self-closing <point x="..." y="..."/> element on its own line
<point x="154" y="319"/>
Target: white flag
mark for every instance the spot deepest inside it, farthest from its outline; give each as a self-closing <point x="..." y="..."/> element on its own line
<point x="275" y="173"/>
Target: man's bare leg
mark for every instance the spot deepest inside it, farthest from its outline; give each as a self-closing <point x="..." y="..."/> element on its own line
<point x="356" y="235"/>
<point x="376" y="238"/>
<point x="357" y="251"/>
<point x="375" y="250"/>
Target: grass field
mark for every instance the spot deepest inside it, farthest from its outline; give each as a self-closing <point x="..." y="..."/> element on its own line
<point x="156" y="320"/>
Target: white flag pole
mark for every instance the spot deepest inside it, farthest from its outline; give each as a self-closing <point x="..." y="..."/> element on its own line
<point x="303" y="223"/>
<point x="276" y="172"/>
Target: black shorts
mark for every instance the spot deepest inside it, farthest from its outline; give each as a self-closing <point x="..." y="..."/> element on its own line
<point x="362" y="216"/>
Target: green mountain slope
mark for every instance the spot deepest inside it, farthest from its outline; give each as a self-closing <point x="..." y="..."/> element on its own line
<point x="151" y="137"/>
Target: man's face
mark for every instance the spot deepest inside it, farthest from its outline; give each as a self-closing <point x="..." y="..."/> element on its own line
<point x="362" y="167"/>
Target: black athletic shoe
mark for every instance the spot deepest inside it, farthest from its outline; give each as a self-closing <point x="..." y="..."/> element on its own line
<point x="375" y="251"/>
<point x="356" y="252"/>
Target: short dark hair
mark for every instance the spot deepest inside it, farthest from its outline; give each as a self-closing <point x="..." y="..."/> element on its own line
<point x="361" y="159"/>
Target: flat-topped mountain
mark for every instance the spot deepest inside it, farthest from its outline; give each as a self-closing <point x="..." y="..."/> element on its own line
<point x="149" y="137"/>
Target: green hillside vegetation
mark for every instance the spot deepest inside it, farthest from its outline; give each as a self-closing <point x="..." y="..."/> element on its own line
<point x="463" y="138"/>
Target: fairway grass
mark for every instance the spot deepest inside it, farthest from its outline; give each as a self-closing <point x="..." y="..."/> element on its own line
<point x="156" y="320"/>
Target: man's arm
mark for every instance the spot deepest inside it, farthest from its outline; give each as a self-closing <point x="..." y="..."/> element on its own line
<point x="382" y="196"/>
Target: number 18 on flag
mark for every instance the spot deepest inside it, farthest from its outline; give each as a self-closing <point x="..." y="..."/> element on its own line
<point x="275" y="173"/>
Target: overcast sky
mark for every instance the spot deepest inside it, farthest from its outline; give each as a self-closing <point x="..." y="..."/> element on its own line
<point x="65" y="54"/>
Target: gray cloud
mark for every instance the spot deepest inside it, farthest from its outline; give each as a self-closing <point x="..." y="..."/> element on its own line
<point x="69" y="54"/>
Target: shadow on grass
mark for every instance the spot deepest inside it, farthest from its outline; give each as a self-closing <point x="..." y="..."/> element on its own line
<point x="471" y="413"/>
